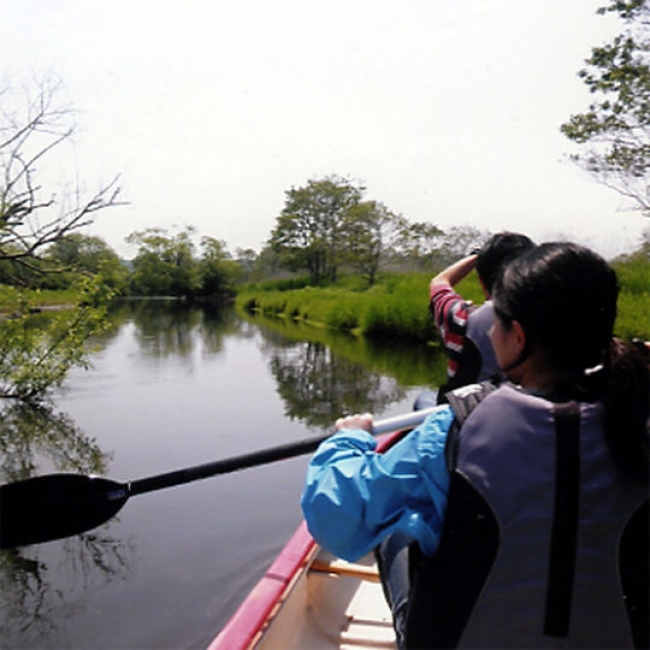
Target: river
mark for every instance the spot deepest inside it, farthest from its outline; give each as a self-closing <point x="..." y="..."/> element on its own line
<point x="170" y="387"/>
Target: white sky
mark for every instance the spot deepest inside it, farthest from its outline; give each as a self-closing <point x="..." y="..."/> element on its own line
<point x="447" y="110"/>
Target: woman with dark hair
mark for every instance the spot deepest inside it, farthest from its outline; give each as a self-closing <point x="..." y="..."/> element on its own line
<point x="528" y="507"/>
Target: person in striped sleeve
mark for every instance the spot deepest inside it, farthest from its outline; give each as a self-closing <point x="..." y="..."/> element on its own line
<point x="464" y="327"/>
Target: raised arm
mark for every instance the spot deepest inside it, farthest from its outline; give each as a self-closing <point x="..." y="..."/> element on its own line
<point x="454" y="273"/>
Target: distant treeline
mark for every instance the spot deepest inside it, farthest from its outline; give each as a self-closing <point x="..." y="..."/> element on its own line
<point x="326" y="231"/>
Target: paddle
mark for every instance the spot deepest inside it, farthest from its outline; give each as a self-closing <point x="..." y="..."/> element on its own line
<point x="53" y="506"/>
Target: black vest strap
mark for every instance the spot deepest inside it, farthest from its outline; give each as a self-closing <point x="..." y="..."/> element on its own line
<point x="565" y="520"/>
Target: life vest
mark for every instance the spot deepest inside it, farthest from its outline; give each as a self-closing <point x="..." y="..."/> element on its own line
<point x="478" y="361"/>
<point x="479" y="323"/>
<point x="545" y="541"/>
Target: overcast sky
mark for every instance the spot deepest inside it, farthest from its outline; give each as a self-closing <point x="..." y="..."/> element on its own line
<point x="448" y="111"/>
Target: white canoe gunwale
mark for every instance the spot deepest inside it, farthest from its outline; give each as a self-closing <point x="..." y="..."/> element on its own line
<point x="309" y="599"/>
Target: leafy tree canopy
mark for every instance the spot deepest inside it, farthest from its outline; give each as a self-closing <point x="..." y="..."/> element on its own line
<point x="164" y="264"/>
<point x="309" y="231"/>
<point x="615" y="129"/>
<point x="218" y="272"/>
<point x="78" y="253"/>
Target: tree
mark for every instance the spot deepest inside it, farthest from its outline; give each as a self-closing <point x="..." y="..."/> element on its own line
<point x="417" y="244"/>
<point x="25" y="276"/>
<point x="370" y="229"/>
<point x="164" y="264"/>
<point x="309" y="231"/>
<point x="457" y="242"/>
<point x="267" y="265"/>
<point x="34" y="127"/>
<point x="34" y="123"/>
<point x="36" y="356"/>
<point x="78" y="253"/>
<point x="616" y="127"/>
<point x="217" y="270"/>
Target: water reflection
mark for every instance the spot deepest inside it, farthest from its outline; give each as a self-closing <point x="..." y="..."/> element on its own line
<point x="166" y="328"/>
<point x="51" y="595"/>
<point x="36" y="440"/>
<point x="34" y="588"/>
<point x="44" y="587"/>
<point x="321" y="375"/>
<point x="317" y="385"/>
<point x="411" y="365"/>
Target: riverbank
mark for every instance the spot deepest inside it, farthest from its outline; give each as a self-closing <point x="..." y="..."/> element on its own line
<point x="397" y="305"/>
<point x="12" y="299"/>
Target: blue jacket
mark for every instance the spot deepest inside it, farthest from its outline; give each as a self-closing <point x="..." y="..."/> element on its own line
<point x="354" y="497"/>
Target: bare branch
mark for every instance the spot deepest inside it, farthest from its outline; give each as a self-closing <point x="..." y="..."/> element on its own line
<point x="33" y="124"/>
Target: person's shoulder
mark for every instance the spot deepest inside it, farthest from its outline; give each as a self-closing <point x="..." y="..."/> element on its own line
<point x="444" y="299"/>
<point x="507" y="396"/>
<point x="465" y="399"/>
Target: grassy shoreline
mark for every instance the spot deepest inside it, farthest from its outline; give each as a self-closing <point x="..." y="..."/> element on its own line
<point x="14" y="301"/>
<point x="397" y="306"/>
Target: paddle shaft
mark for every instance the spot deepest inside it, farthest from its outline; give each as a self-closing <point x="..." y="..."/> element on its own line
<point x="264" y="456"/>
<point x="53" y="506"/>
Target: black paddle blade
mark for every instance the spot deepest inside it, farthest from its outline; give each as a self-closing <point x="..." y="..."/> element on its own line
<point x="54" y="506"/>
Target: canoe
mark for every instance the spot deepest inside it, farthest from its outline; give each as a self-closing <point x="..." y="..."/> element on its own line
<point x="310" y="599"/>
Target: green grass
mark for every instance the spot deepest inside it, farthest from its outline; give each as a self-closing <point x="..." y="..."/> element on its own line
<point x="12" y="299"/>
<point x="634" y="299"/>
<point x="396" y="307"/>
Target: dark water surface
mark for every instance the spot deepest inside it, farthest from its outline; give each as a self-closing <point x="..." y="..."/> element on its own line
<point x="174" y="387"/>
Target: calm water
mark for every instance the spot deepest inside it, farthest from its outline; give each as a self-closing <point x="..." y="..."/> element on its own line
<point x="173" y="387"/>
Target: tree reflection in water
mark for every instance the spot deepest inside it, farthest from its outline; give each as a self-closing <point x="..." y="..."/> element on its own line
<point x="318" y="386"/>
<point x="50" y="593"/>
<point x="166" y="327"/>
<point x="322" y="375"/>
<point x="36" y="440"/>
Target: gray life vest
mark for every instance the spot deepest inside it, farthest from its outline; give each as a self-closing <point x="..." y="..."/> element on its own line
<point x="478" y="361"/>
<point x="536" y="529"/>
<point x="479" y="323"/>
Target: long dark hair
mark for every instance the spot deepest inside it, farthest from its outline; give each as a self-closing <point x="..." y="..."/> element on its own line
<point x="564" y="296"/>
